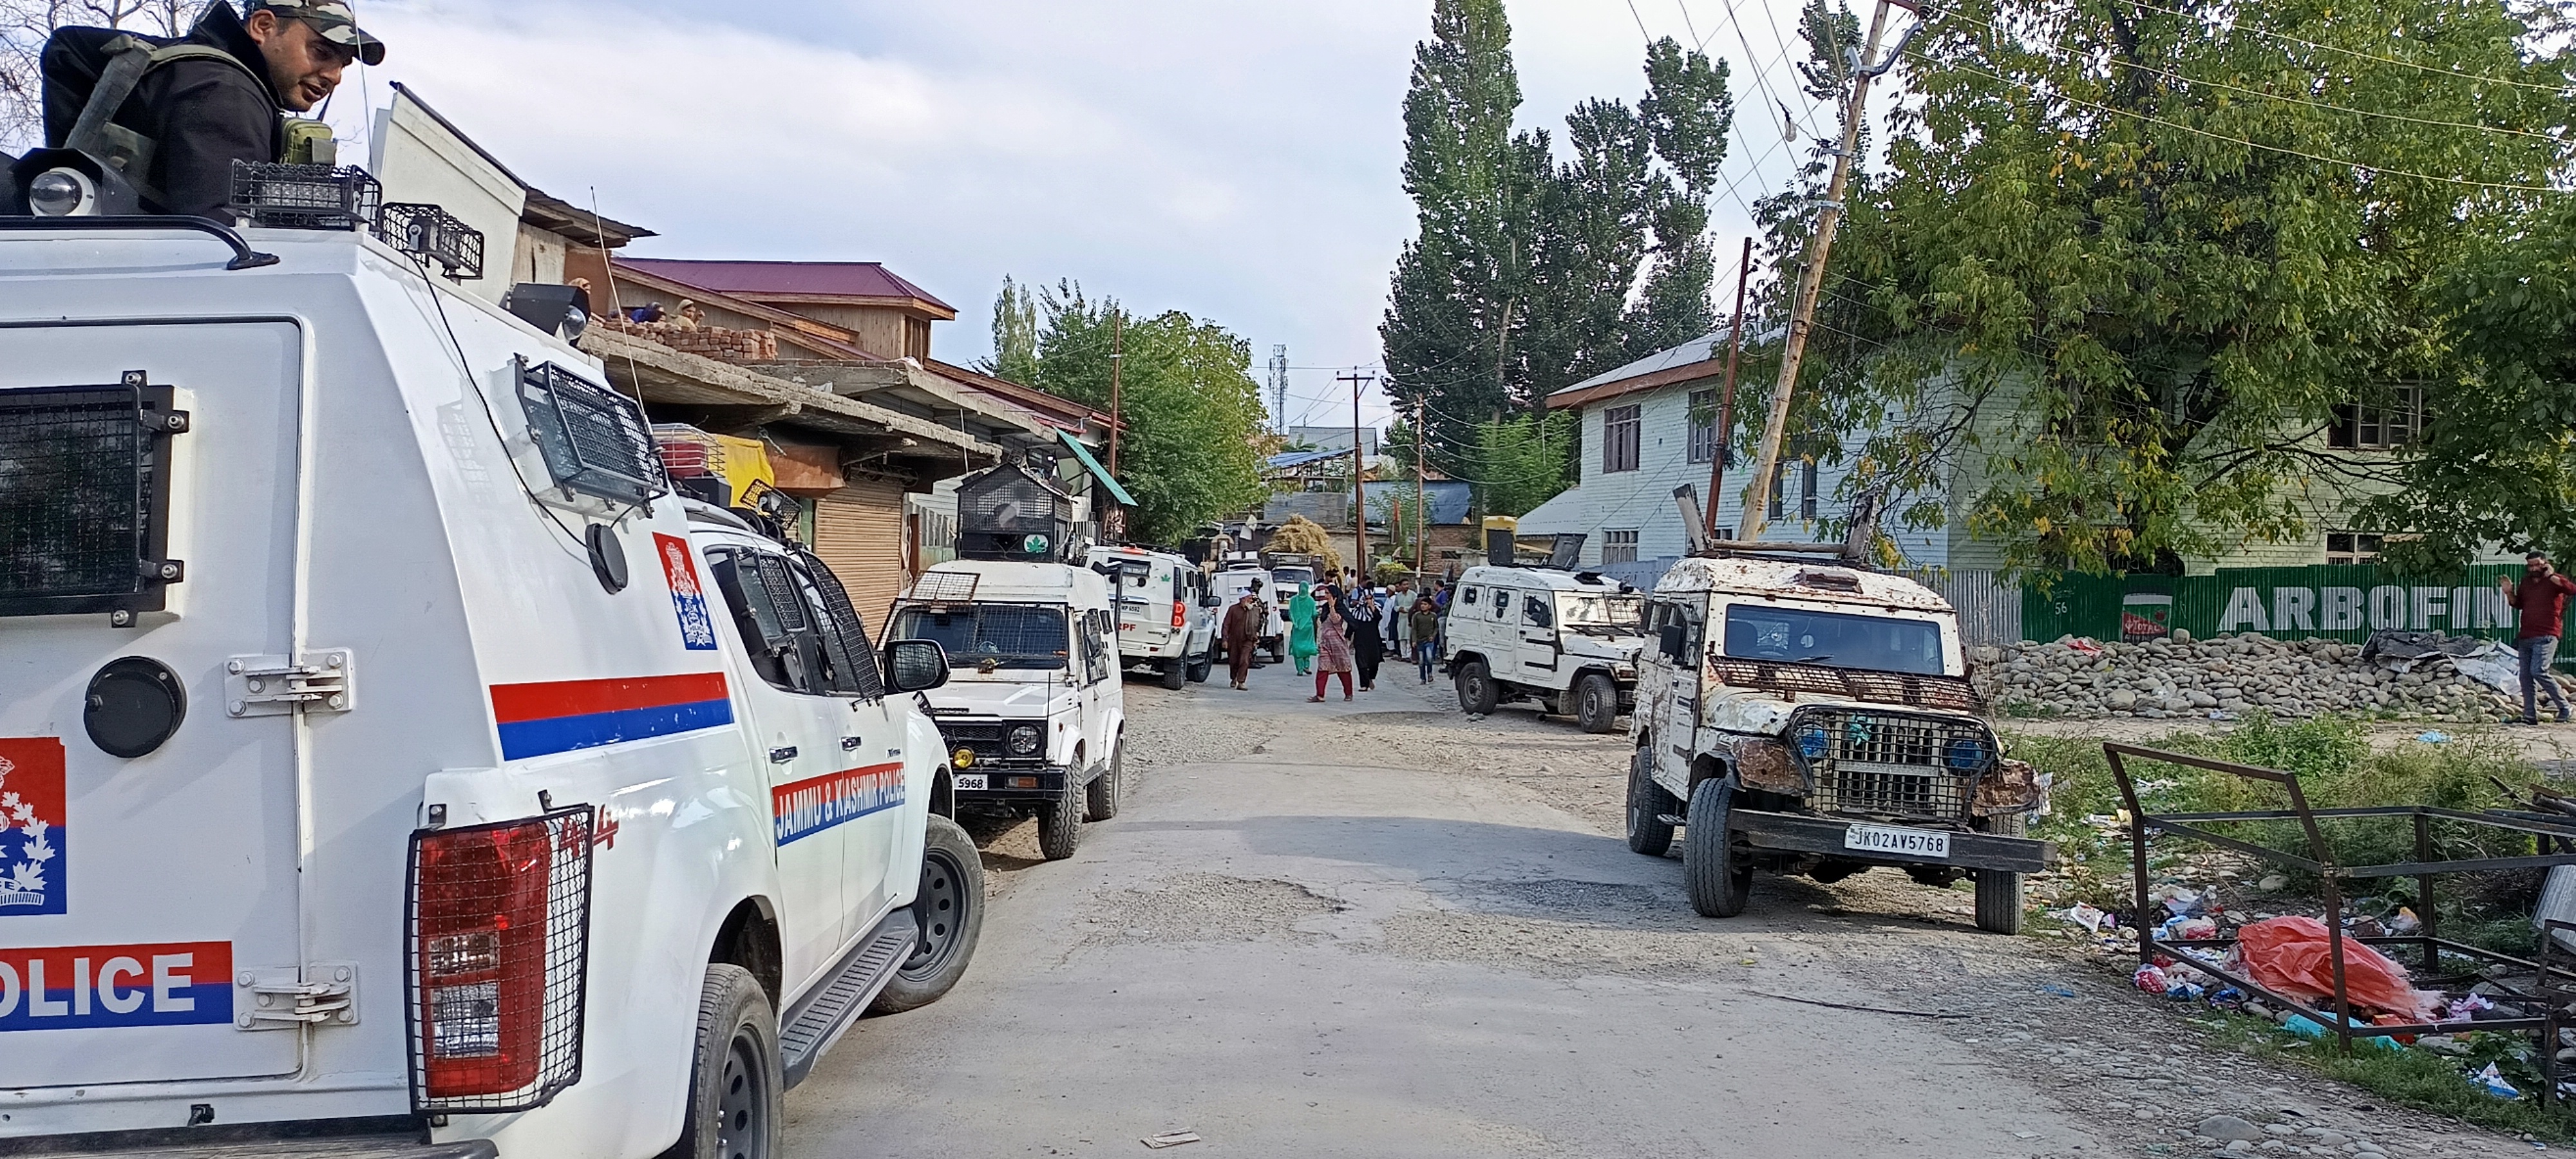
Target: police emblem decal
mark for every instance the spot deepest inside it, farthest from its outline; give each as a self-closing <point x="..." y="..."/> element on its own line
<point x="697" y="630"/>
<point x="33" y="870"/>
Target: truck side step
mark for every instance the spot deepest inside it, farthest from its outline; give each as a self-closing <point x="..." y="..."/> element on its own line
<point x="1671" y="819"/>
<point x="819" y="1021"/>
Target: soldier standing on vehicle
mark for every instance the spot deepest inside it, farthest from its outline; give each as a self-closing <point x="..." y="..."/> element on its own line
<point x="204" y="110"/>
<point x="2542" y="597"/>
<point x="1242" y="633"/>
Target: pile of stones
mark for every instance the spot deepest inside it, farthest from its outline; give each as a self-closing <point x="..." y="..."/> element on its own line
<point x="2224" y="677"/>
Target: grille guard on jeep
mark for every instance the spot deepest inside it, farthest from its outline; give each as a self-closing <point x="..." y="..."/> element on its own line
<point x="1890" y="764"/>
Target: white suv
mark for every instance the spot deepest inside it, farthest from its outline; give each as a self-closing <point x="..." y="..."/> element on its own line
<point x="1034" y="711"/>
<point x="1567" y="640"/>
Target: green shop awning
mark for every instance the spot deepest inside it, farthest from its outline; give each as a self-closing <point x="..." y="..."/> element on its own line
<point x="1097" y="471"/>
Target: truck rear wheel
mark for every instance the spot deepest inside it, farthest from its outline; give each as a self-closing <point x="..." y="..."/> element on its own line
<point x="950" y="910"/>
<point x="735" y="1090"/>
<point x="1717" y="888"/>
<point x="1596" y="703"/>
<point x="1648" y="804"/>
<point x="1476" y="691"/>
<point x="1060" y="824"/>
<point x="1999" y="902"/>
<point x="1100" y="798"/>
<point x="1174" y="675"/>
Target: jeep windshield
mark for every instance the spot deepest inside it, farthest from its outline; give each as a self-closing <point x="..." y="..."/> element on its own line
<point x="1602" y="615"/>
<point x="1026" y="636"/>
<point x="1287" y="578"/>
<point x="1799" y="636"/>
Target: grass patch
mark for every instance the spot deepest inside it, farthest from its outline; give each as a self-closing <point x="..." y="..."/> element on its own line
<point x="2419" y="1079"/>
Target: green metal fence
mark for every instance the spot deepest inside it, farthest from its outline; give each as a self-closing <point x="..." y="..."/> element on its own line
<point x="2333" y="602"/>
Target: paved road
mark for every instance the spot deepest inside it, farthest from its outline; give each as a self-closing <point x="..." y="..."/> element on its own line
<point x="1308" y="949"/>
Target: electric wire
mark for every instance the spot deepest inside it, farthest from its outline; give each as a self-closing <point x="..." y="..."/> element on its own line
<point x="2053" y="46"/>
<point x="2238" y="23"/>
<point x="2235" y="140"/>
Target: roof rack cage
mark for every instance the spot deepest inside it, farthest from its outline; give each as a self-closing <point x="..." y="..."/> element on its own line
<point x="278" y="196"/>
<point x="428" y="233"/>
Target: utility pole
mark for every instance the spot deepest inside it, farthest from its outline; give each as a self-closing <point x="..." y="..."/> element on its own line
<point x="1117" y="355"/>
<point x="1279" y="387"/>
<point x="1421" y="501"/>
<point x="1726" y="398"/>
<point x="1811" y="278"/>
<point x="1359" y="470"/>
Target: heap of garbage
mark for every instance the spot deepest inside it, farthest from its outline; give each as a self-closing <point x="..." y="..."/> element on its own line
<point x="2420" y="675"/>
<point x="2289" y="954"/>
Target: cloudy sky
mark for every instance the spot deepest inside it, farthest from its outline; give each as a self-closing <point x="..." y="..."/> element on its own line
<point x="1237" y="159"/>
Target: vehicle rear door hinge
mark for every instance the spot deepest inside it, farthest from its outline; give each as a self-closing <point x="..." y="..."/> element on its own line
<point x="278" y="685"/>
<point x="280" y="998"/>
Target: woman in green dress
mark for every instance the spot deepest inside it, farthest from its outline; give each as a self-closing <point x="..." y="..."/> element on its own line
<point x="1301" y="628"/>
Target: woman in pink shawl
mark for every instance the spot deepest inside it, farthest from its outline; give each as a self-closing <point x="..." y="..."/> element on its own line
<point x="1332" y="650"/>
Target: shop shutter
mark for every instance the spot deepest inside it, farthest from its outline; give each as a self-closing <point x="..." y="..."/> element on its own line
<point x="858" y="532"/>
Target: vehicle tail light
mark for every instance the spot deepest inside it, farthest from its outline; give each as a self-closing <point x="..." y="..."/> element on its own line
<point x="499" y="936"/>
<point x="1180" y="614"/>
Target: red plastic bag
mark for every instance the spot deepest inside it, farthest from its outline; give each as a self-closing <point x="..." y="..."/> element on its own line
<point x="2290" y="956"/>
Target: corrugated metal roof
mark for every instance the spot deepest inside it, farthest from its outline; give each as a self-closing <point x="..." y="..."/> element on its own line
<point x="1287" y="460"/>
<point x="825" y="279"/>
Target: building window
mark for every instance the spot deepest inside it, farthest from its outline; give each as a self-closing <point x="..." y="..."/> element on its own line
<point x="2395" y="418"/>
<point x="1618" y="547"/>
<point x="1807" y="490"/>
<point x="1779" y="493"/>
<point x="2352" y="547"/>
<point x="1621" y="429"/>
<point x="1703" y="425"/>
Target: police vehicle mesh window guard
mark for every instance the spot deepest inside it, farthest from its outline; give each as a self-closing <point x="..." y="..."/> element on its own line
<point x="496" y="1003"/>
<point x="945" y="587"/>
<point x="1890" y="764"/>
<point x="431" y="234"/>
<point x="83" y="498"/>
<point x="783" y="597"/>
<point x="594" y="440"/>
<point x="854" y="662"/>
<point x="281" y="196"/>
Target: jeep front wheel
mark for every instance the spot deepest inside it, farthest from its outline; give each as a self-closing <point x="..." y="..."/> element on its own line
<point x="1476" y="692"/>
<point x="1999" y="901"/>
<point x="1596" y="703"/>
<point x="1648" y="805"/>
<point x="1718" y="888"/>
<point x="1060" y="821"/>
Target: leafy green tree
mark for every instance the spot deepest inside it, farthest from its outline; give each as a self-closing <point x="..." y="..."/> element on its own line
<point x="2497" y="465"/>
<point x="1523" y="461"/>
<point x="2126" y="261"/>
<point x="1192" y="409"/>
<point x="1015" y="334"/>
<point x="1520" y="278"/>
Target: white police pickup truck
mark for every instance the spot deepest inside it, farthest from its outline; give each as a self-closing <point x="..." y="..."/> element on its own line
<point x="389" y="763"/>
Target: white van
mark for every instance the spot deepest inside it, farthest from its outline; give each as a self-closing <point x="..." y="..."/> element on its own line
<point x="1166" y="613"/>
<point x="391" y="763"/>
<point x="1034" y="714"/>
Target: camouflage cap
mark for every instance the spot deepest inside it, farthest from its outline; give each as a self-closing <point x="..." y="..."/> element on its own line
<point x="333" y="20"/>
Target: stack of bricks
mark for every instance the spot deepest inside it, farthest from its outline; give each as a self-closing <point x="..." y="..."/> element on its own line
<point x="705" y="341"/>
